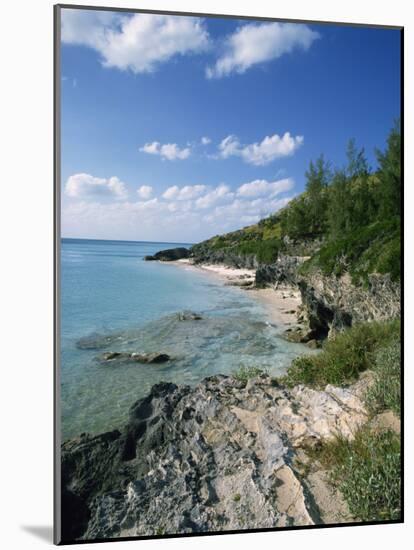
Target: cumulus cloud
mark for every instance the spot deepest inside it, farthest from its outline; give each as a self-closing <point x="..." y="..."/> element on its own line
<point x="259" y="154"/>
<point x="144" y="192"/>
<point x="169" y="151"/>
<point x="260" y="188"/>
<point x="205" y="140"/>
<point x="220" y="193"/>
<point x="138" y="42"/>
<point x="260" y="42"/>
<point x="85" y="185"/>
<point x="180" y="214"/>
<point x="184" y="193"/>
<point x="240" y="212"/>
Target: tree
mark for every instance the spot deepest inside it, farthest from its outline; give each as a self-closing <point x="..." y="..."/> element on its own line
<point x="390" y="174"/>
<point x="318" y="176"/>
<point x="295" y="218"/>
<point x="338" y="211"/>
<point x="357" y="162"/>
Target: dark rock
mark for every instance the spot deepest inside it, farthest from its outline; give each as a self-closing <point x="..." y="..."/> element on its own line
<point x="283" y="273"/>
<point x="313" y="344"/>
<point x="169" y="255"/>
<point x="297" y="335"/>
<point x="189" y="316"/>
<point x="98" y="341"/>
<point x="123" y="356"/>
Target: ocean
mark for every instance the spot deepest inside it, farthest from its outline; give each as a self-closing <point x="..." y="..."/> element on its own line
<point x="109" y="292"/>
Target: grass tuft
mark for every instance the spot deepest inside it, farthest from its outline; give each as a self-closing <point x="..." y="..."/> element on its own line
<point x="385" y="394"/>
<point x="367" y="471"/>
<point x="243" y="374"/>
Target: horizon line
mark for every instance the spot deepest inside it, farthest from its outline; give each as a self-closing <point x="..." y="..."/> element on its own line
<point x="124" y="240"/>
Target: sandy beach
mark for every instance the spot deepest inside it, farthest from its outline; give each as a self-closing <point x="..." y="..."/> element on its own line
<point x="281" y="304"/>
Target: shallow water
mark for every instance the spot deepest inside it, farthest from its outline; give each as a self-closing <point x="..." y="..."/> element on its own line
<point x="107" y="290"/>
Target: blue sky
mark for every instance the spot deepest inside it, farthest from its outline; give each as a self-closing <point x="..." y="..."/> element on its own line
<point x="180" y="128"/>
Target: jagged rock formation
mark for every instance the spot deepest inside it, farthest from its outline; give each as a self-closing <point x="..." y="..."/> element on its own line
<point x="283" y="273"/>
<point x="225" y="257"/>
<point x="217" y="457"/>
<point x="169" y="255"/>
<point x="333" y="303"/>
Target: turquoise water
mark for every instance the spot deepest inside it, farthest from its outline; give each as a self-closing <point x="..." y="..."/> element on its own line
<point x="107" y="290"/>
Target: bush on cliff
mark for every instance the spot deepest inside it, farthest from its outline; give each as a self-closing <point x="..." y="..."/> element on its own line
<point x="344" y="357"/>
<point x="374" y="248"/>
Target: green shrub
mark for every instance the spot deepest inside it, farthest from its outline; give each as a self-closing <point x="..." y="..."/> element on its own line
<point x="367" y="471"/>
<point x="386" y="390"/>
<point x="344" y="357"/>
<point x="369" y="249"/>
<point x="243" y="374"/>
<point x="266" y="252"/>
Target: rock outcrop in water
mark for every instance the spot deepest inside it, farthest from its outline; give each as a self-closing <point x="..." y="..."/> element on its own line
<point x="169" y="255"/>
<point x="189" y="316"/>
<point x="133" y="357"/>
<point x="220" y="456"/>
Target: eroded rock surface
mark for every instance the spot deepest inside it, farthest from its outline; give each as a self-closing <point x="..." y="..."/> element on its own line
<point x="220" y="456"/>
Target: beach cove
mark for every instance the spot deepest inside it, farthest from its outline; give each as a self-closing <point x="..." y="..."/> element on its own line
<point x="113" y="301"/>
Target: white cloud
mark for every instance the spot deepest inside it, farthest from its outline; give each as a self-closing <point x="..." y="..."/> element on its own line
<point x="138" y="43"/>
<point x="171" y="193"/>
<point x="260" y="188"/>
<point x="169" y="151"/>
<point x="85" y="185"/>
<point x="181" y="214"/>
<point x="239" y="212"/>
<point x="260" y="42"/>
<point x="205" y="140"/>
<point x="220" y="193"/>
<point x="259" y="154"/>
<point x="187" y="192"/>
<point x="144" y="192"/>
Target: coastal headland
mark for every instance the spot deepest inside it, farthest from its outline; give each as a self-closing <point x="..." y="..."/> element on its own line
<point x="318" y="445"/>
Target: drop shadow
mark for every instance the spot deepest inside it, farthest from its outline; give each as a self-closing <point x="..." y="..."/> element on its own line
<point x="43" y="532"/>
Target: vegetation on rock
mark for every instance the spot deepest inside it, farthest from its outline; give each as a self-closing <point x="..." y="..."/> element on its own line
<point x="345" y="356"/>
<point x="367" y="470"/>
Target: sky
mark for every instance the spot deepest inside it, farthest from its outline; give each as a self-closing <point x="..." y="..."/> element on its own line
<point x="175" y="129"/>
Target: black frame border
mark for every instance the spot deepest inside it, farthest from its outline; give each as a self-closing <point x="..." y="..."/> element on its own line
<point x="56" y="271"/>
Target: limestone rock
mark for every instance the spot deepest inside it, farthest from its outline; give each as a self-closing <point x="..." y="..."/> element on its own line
<point x="216" y="457"/>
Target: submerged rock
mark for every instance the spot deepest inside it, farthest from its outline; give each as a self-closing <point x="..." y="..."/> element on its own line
<point x="189" y="316"/>
<point x="216" y="457"/>
<point x="124" y="356"/>
<point x="169" y="255"/>
<point x="99" y="341"/>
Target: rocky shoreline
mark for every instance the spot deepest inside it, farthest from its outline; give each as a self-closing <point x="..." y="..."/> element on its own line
<point x="225" y="455"/>
<point x="327" y="304"/>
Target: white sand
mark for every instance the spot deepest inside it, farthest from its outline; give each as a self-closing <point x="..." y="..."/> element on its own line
<point x="279" y="303"/>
